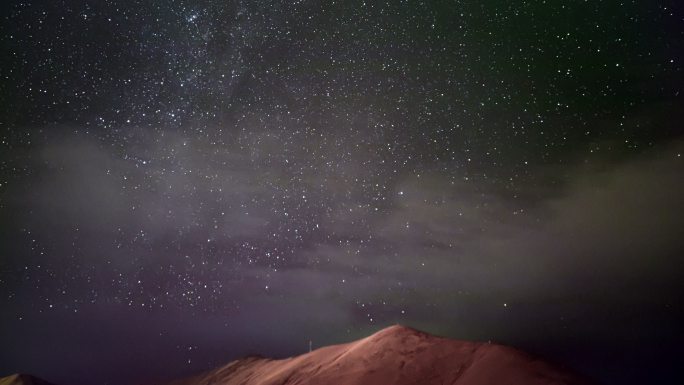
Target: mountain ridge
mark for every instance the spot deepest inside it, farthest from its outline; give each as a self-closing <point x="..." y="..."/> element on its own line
<point x="397" y="355"/>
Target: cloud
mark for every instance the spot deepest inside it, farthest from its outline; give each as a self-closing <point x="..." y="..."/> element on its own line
<point x="611" y="230"/>
<point x="615" y="226"/>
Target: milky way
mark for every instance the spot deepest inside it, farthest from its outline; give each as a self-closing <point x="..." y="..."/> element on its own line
<point x="186" y="182"/>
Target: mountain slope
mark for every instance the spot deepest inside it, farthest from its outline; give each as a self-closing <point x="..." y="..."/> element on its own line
<point x="22" y="379"/>
<point x="393" y="356"/>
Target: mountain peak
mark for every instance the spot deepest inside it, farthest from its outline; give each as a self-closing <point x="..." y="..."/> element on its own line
<point x="399" y="329"/>
<point x="398" y="332"/>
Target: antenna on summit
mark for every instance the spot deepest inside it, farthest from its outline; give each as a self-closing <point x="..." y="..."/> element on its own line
<point x="309" y="346"/>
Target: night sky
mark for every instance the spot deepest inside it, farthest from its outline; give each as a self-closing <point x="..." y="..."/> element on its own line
<point x="183" y="183"/>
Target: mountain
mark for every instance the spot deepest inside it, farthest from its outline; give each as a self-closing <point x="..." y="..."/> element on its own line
<point x="22" y="379"/>
<point x="394" y="356"/>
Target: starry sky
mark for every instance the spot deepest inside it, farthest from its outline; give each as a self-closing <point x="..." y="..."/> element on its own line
<point x="183" y="183"/>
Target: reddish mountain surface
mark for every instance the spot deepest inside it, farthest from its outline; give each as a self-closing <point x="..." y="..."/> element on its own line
<point x="22" y="379"/>
<point x="394" y="356"/>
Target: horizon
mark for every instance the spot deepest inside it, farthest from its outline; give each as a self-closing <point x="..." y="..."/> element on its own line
<point x="397" y="331"/>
